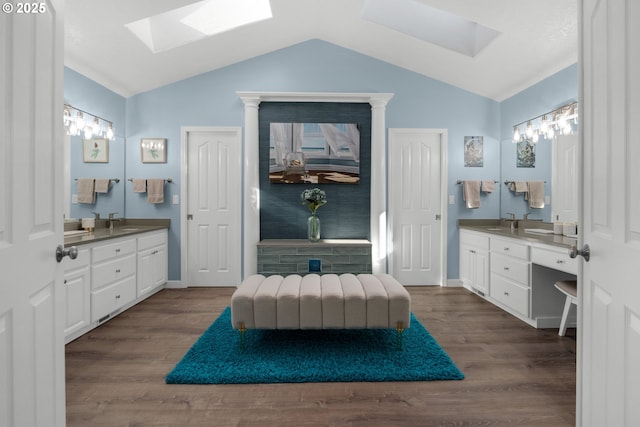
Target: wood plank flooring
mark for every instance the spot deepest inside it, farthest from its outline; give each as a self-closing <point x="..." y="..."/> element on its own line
<point x="515" y="375"/>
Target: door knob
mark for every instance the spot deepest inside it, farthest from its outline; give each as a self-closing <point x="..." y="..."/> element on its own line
<point x="585" y="252"/>
<point x="61" y="252"/>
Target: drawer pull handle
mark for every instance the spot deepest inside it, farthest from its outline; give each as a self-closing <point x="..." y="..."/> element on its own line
<point x="117" y="270"/>
<point x="506" y="293"/>
<point x="117" y="296"/>
<point x="154" y="252"/>
<point x="506" y="268"/>
<point x="506" y="249"/>
<point x="472" y="251"/>
<point x="118" y="250"/>
<point x="560" y="261"/>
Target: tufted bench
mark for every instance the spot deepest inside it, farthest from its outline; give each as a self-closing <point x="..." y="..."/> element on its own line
<point x="330" y="301"/>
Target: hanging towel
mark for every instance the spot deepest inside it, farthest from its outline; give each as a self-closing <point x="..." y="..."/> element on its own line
<point x="155" y="190"/>
<point x="471" y="194"/>
<point x="488" y="186"/>
<point x="536" y="194"/>
<point x="139" y="185"/>
<point x="518" y="186"/>
<point x="102" y="185"/>
<point x="86" y="192"/>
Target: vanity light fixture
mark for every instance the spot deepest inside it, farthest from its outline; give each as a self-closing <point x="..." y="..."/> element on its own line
<point x="563" y="121"/>
<point x="79" y="122"/>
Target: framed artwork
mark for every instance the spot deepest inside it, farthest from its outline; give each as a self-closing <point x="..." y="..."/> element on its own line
<point x="526" y="155"/>
<point x="474" y="151"/>
<point x="153" y="150"/>
<point x="95" y="150"/>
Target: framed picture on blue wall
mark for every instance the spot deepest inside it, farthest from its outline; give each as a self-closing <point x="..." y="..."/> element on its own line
<point x="153" y="150"/>
<point x="95" y="150"/>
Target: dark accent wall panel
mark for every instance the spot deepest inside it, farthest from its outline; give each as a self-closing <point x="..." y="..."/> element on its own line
<point x="347" y="212"/>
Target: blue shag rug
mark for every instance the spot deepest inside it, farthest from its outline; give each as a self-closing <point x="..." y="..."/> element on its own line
<point x="220" y="356"/>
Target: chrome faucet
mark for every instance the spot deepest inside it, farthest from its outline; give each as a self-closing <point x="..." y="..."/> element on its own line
<point x="96" y="215"/>
<point x="111" y="220"/>
<point x="525" y="216"/>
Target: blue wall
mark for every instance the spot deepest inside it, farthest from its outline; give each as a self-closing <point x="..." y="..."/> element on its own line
<point x="210" y="99"/>
<point x="347" y="214"/>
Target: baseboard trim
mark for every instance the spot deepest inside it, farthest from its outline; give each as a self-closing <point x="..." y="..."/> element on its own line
<point x="174" y="284"/>
<point x="454" y="283"/>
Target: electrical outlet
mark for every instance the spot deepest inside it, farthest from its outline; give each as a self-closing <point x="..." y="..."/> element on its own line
<point x="315" y="266"/>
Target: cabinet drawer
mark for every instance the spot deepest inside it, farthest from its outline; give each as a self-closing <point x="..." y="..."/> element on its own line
<point x="112" y="250"/>
<point x="556" y="259"/>
<point x="110" y="271"/>
<point x="509" y="247"/>
<point x="510" y="294"/>
<point x="156" y="239"/>
<point x="472" y="239"/>
<point x="82" y="260"/>
<point x="109" y="299"/>
<point x="512" y="268"/>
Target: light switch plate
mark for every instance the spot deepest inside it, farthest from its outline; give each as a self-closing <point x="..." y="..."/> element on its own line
<point x="452" y="199"/>
<point x="74" y="199"/>
<point x="176" y="199"/>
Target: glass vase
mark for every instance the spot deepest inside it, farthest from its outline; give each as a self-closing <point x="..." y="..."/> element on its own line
<point x="313" y="228"/>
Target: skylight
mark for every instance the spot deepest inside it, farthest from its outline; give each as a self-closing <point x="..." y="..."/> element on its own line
<point x="429" y="24"/>
<point x="196" y="21"/>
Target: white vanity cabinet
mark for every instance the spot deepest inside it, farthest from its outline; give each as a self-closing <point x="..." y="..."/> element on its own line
<point x="474" y="261"/>
<point x="152" y="261"/>
<point x="110" y="276"/>
<point x="77" y="288"/>
<point x="516" y="272"/>
<point x="113" y="272"/>
<point x="510" y="274"/>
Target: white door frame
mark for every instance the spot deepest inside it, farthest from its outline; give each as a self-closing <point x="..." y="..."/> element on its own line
<point x="184" y="195"/>
<point x="443" y="197"/>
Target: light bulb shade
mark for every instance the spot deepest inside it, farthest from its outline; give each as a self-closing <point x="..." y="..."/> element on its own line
<point x="529" y="131"/>
<point x="516" y="134"/>
<point x="535" y="137"/>
<point x="96" y="126"/>
<point x="110" y="132"/>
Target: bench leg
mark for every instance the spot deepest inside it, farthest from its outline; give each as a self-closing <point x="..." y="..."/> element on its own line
<point x="243" y="330"/>
<point x="400" y="330"/>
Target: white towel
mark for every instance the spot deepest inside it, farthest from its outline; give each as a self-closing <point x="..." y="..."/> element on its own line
<point x="139" y="185"/>
<point x="536" y="194"/>
<point x="518" y="186"/>
<point x="86" y="192"/>
<point x="102" y="185"/>
<point x="471" y="194"/>
<point x="488" y="186"/>
<point x="155" y="190"/>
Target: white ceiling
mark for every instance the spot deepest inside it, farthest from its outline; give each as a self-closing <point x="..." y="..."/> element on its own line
<point x="539" y="38"/>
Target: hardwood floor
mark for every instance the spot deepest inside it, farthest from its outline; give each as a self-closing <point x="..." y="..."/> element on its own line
<point x="514" y="374"/>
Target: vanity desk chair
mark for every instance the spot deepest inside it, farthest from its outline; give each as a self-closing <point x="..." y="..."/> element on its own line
<point x="570" y="289"/>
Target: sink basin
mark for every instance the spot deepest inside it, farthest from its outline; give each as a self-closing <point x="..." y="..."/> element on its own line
<point x="128" y="229"/>
<point x="496" y="229"/>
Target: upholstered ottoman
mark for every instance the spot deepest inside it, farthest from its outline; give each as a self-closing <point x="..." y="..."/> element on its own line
<point x="330" y="301"/>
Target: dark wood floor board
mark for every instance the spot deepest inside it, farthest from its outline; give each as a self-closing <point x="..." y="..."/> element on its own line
<point x="514" y="374"/>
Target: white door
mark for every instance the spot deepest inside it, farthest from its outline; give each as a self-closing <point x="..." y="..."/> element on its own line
<point x="609" y="292"/>
<point x="32" y="293"/>
<point x="565" y="178"/>
<point x="214" y="206"/>
<point x="415" y="205"/>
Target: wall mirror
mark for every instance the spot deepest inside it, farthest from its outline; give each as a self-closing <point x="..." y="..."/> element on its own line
<point x="79" y="164"/>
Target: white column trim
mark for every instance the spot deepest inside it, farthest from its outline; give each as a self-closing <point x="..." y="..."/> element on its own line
<point x="251" y="220"/>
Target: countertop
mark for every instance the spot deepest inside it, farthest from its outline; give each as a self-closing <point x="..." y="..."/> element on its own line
<point x="123" y="228"/>
<point x="496" y="228"/>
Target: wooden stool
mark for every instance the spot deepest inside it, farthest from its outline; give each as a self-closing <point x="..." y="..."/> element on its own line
<point x="570" y="289"/>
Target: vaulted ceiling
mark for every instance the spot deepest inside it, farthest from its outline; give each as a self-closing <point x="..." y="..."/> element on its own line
<point x="533" y="40"/>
